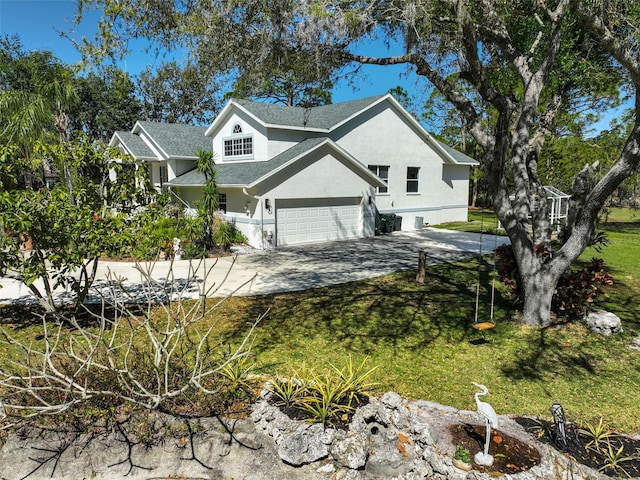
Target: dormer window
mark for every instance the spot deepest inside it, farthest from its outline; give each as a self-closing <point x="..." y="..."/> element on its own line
<point x="239" y="146"/>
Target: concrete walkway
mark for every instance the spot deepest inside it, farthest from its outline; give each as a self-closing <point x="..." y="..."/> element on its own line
<point x="282" y="270"/>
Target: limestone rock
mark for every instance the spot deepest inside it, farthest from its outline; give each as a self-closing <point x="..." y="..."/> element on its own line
<point x="391" y="400"/>
<point x="351" y="452"/>
<point x="303" y="446"/>
<point x="604" y="323"/>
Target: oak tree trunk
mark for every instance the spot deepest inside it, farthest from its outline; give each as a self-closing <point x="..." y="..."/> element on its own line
<point x="538" y="293"/>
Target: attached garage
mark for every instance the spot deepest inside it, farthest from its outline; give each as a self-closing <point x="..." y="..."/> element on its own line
<point x="308" y="220"/>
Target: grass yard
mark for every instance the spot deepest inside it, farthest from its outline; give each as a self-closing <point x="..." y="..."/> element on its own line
<point x="422" y="339"/>
<point x="479" y="220"/>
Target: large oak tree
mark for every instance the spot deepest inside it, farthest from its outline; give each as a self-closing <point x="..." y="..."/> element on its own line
<point x="529" y="61"/>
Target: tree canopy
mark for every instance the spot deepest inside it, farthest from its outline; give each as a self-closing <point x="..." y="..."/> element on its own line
<point x="518" y="73"/>
<point x="178" y="93"/>
<point x="107" y="101"/>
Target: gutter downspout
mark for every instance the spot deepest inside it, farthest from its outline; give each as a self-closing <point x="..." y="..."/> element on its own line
<point x="256" y="197"/>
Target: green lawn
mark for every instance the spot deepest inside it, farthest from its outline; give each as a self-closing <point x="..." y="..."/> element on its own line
<point x="422" y="338"/>
<point x="479" y="220"/>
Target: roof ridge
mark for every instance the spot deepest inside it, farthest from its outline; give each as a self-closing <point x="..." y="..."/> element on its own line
<point x="321" y="118"/>
<point x="296" y="107"/>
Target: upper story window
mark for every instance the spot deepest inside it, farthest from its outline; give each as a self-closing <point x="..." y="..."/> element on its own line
<point x="239" y="145"/>
<point x="383" y="172"/>
<point x="413" y="179"/>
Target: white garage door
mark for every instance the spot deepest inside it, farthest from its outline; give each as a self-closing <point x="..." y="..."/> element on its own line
<point x="317" y="220"/>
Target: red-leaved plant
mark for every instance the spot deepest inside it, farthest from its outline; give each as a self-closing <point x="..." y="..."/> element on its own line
<point x="575" y="292"/>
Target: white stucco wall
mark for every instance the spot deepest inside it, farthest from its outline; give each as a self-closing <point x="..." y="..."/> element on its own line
<point x="383" y="137"/>
<point x="249" y="127"/>
<point x="320" y="175"/>
<point x="282" y="140"/>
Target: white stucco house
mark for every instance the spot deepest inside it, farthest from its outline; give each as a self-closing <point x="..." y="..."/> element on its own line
<point x="291" y="175"/>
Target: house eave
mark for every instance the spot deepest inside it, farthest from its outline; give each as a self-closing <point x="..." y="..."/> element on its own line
<point x="297" y="129"/>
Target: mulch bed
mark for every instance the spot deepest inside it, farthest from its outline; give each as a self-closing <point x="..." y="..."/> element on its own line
<point x="582" y="449"/>
<point x="510" y="455"/>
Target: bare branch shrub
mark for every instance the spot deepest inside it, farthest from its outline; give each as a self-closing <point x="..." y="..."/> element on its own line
<point x="146" y="346"/>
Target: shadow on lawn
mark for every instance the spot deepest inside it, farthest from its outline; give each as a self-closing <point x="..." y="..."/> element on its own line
<point x="548" y="351"/>
<point x="390" y="311"/>
<point x="545" y="353"/>
<point x="621" y="227"/>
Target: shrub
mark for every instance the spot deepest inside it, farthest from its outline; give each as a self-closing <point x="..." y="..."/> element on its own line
<point x="147" y="355"/>
<point x="227" y="233"/>
<point x="155" y="236"/>
<point x="575" y="291"/>
<point x="325" y="396"/>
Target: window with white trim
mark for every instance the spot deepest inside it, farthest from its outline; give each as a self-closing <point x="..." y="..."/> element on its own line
<point x="222" y="202"/>
<point x="239" y="144"/>
<point x="381" y="171"/>
<point x="413" y="179"/>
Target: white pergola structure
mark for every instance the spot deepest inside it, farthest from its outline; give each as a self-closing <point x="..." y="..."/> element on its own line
<point x="558" y="206"/>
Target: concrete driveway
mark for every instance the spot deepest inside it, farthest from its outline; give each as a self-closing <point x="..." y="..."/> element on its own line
<point x="282" y="270"/>
<point x="309" y="266"/>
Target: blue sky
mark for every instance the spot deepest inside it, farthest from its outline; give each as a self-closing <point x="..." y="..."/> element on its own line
<point x="39" y="23"/>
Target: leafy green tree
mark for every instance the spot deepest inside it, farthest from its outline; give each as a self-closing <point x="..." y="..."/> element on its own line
<point x="289" y="79"/>
<point x="531" y="62"/>
<point x="209" y="204"/>
<point x="107" y="102"/>
<point x="179" y="94"/>
<point x="67" y="237"/>
<point x="36" y="93"/>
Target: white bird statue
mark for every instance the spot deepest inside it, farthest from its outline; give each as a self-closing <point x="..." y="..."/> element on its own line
<point x="491" y="419"/>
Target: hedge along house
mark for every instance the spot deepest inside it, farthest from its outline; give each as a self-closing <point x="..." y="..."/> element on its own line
<point x="292" y="175"/>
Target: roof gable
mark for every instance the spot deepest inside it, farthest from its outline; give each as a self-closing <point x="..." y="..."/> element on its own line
<point x="133" y="145"/>
<point x="249" y="174"/>
<point x="175" y="140"/>
<point x="327" y="118"/>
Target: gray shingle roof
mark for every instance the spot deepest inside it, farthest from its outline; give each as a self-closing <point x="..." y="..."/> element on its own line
<point x="178" y="140"/>
<point x="135" y="145"/>
<point x="324" y="117"/>
<point x="459" y="157"/>
<point x="246" y="173"/>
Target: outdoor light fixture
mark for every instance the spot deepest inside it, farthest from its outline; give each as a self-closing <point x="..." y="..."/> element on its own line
<point x="558" y="421"/>
<point x="267" y="205"/>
